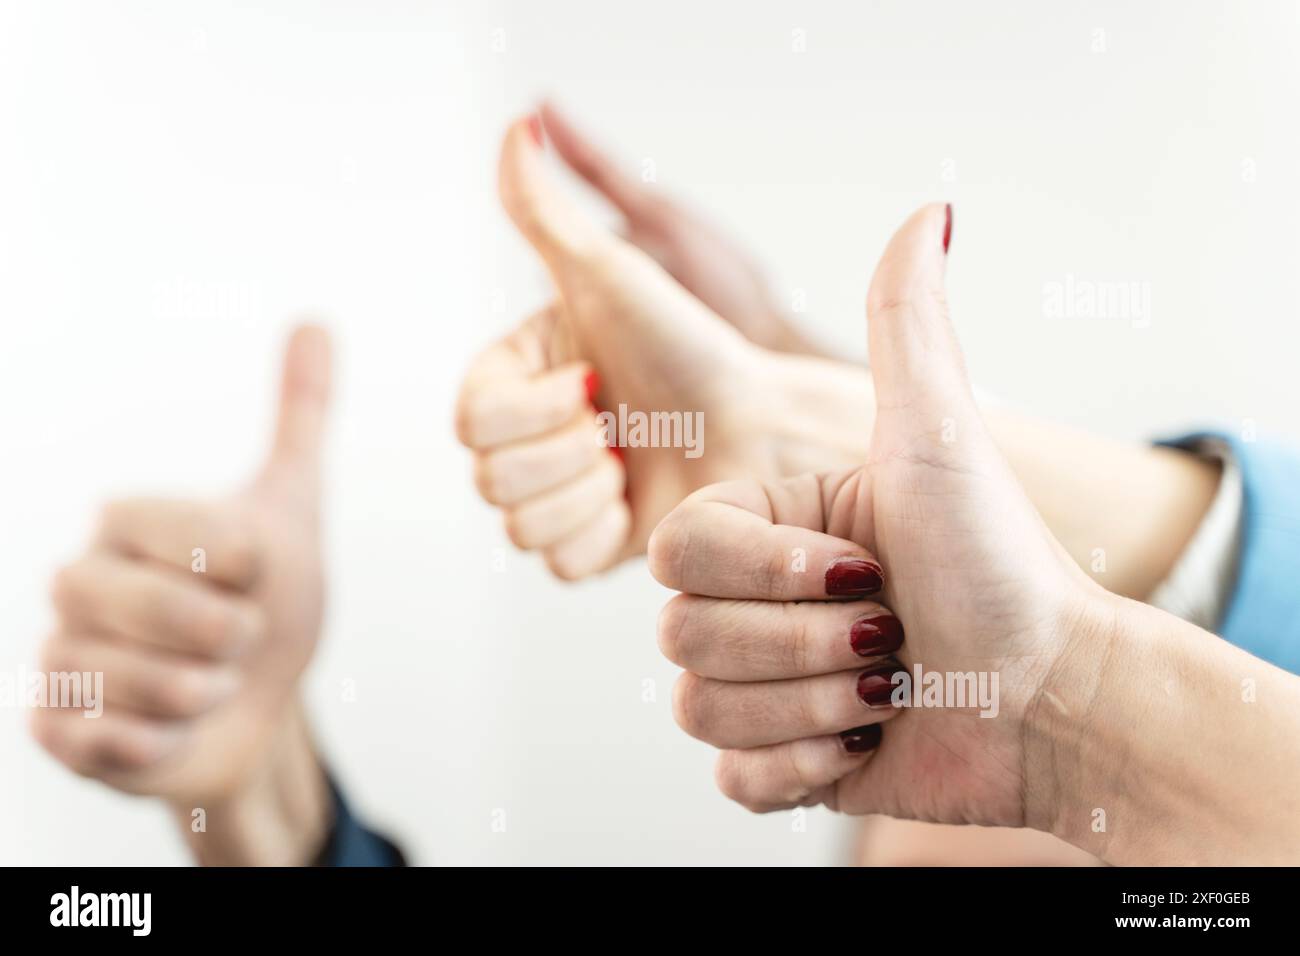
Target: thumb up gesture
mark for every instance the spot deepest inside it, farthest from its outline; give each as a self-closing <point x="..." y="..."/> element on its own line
<point x="201" y="616"/>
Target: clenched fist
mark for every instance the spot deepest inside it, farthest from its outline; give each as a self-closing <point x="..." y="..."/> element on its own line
<point x="790" y="660"/>
<point x="625" y="335"/>
<point x="202" y="615"/>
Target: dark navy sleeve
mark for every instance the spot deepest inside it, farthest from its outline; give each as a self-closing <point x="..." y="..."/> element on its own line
<point x="1263" y="614"/>
<point x="352" y="844"/>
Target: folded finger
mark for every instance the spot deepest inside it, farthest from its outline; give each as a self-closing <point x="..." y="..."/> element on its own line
<point x="733" y="715"/>
<point x="115" y="747"/>
<point x="154" y="606"/>
<point x="142" y="681"/>
<point x="182" y="534"/>
<point x="745" y="539"/>
<point x="510" y="474"/>
<point x="553" y="515"/>
<point x="764" y="640"/>
<point x="595" y="546"/>
<point x="798" y="773"/>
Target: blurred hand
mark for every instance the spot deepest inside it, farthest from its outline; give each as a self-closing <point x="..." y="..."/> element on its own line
<point x="526" y="403"/>
<point x="793" y="686"/>
<point x="202" y="616"/>
<point x="707" y="263"/>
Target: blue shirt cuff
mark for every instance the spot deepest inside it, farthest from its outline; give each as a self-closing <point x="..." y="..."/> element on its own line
<point x="1263" y="614"/>
<point x="352" y="844"/>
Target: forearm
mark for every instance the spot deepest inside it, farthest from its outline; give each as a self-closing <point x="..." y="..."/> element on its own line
<point x="1123" y="511"/>
<point x="281" y="817"/>
<point x="1158" y="743"/>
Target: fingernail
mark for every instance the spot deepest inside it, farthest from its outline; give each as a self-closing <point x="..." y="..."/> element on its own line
<point x="535" y="128"/>
<point x="874" y="636"/>
<point x="853" y="577"/>
<point x="861" y="740"/>
<point x="876" y="686"/>
<point x="947" y="226"/>
<point x="592" y="384"/>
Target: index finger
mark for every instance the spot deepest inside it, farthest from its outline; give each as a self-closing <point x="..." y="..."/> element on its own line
<point x="753" y="541"/>
<point x="195" y="536"/>
<point x="513" y="391"/>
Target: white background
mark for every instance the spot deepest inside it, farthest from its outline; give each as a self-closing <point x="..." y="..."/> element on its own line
<point x="177" y="180"/>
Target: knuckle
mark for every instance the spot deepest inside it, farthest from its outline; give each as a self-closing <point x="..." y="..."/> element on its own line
<point x="122" y="754"/>
<point x="487" y="479"/>
<point x="692" y="706"/>
<point x="801" y="776"/>
<point x="184" y="694"/>
<point x="516" y="525"/>
<point x="798" y="639"/>
<point x="901" y="306"/>
<point x="110" y="513"/>
<point x="563" y="564"/>
<point x="738" y="784"/>
<point x="882" y="304"/>
<point x="770" y="574"/>
<point x="463" y="419"/>
<point x="56" y="656"/>
<point x="668" y="547"/>
<point x="221" y="630"/>
<point x="67" y="586"/>
<point x="729" y="777"/>
<point x="240" y="546"/>
<point x="671" y="631"/>
<point x="809" y="709"/>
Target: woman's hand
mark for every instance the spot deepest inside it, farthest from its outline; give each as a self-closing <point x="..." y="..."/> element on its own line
<point x="526" y="407"/>
<point x="982" y="588"/>
<point x="1116" y="727"/>
<point x="708" y="264"/>
<point x="201" y="616"/>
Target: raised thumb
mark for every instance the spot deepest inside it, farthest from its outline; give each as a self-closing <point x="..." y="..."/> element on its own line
<point x="304" y="403"/>
<point x="548" y="218"/>
<point x="916" y="363"/>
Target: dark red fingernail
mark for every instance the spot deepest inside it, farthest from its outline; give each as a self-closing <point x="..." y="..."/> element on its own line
<point x="947" y="226"/>
<point x="853" y="577"/>
<point x="592" y="384"/>
<point x="876" y="686"/>
<point x="873" y="636"/>
<point x="535" y="128"/>
<point x="861" y="740"/>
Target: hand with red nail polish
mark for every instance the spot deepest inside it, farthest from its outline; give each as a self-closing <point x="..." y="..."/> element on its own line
<point x="705" y="262"/>
<point x="202" y="616"/>
<point x="780" y="580"/>
<point x="635" y="326"/>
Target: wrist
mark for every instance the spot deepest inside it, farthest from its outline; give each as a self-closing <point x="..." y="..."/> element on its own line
<point x="1153" y="742"/>
<point x="1068" y="720"/>
<point x="279" y="816"/>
